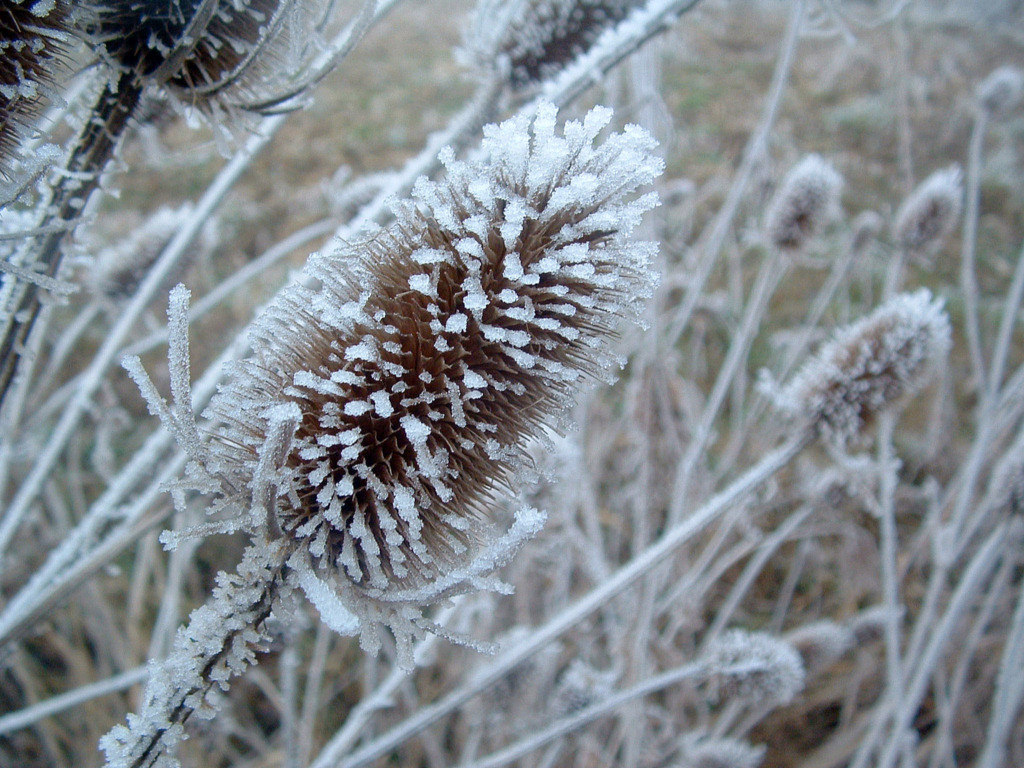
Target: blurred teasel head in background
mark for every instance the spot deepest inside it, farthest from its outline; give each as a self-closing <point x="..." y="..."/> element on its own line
<point x="33" y="36"/>
<point x="211" y="53"/>
<point x="870" y="366"/>
<point x="1000" y="92"/>
<point x="536" y="39"/>
<point x="930" y="213"/>
<point x="419" y="361"/>
<point x="806" y="200"/>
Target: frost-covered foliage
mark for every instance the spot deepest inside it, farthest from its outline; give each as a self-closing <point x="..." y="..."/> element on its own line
<point x="870" y="366"/>
<point x="710" y="584"/>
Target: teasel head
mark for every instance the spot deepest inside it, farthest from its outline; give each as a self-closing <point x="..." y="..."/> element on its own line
<point x="536" y="39"/>
<point x="211" y="53"/>
<point x="807" y="199"/>
<point x="1000" y="92"/>
<point x="930" y="213"/>
<point x="418" y="361"/>
<point x="754" y="667"/>
<point x="33" y="35"/>
<point x="702" y="751"/>
<point x="870" y="366"/>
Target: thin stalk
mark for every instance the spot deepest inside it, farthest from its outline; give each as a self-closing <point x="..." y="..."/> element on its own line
<point x="968" y="277"/>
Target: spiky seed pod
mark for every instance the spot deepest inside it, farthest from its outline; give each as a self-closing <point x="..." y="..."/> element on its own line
<point x="930" y="212"/>
<point x="1000" y="92"/>
<point x="709" y="752"/>
<point x="805" y="201"/>
<point x="199" y="48"/>
<point x="32" y="38"/>
<point x="870" y="366"/>
<point x="428" y="353"/>
<point x="754" y="667"/>
<point x="538" y="38"/>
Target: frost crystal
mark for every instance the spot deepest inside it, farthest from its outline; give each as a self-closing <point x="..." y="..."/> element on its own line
<point x="427" y="355"/>
<point x="870" y="366"/>
<point x="930" y="212"/>
<point x="805" y="201"/>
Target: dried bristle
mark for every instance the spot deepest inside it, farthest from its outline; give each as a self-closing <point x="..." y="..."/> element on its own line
<point x="32" y="36"/>
<point x="461" y="331"/>
<point x="140" y="34"/>
<point x="548" y="34"/>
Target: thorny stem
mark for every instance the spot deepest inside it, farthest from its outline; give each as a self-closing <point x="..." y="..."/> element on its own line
<point x="656" y="554"/>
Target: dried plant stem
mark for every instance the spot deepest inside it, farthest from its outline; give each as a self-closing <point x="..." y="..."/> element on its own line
<point x="568" y="617"/>
<point x="1009" y="692"/>
<point x="710" y="246"/>
<point x="968" y="269"/>
<point x="772" y="269"/>
<point x="94" y="148"/>
<point x="888" y="549"/>
<point x="30" y="715"/>
<point x="574" y="722"/>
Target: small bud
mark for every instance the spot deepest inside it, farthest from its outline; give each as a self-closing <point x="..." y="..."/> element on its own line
<point x="930" y="212"/>
<point x="755" y="667"/>
<point x="805" y="201"/>
<point x="1000" y="92"/>
<point x="870" y="366"/>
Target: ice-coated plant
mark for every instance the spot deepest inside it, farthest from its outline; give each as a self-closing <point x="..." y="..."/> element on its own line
<point x="33" y="34"/>
<point x="535" y="39"/>
<point x="870" y="366"/>
<point x="930" y="213"/>
<point x="386" y="406"/>
<point x="806" y="200"/>
<point x="754" y="667"/>
<point x="1000" y="92"/>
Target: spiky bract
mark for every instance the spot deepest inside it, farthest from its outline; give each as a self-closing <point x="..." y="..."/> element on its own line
<point x="32" y="38"/>
<point x="428" y="353"/>
<point x="870" y="366"/>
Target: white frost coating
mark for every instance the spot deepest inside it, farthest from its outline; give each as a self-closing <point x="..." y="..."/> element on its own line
<point x="421" y="284"/>
<point x="330" y="607"/>
<point x="415" y="430"/>
<point x="382" y="404"/>
<point x="474" y="380"/>
<point x="456" y="323"/>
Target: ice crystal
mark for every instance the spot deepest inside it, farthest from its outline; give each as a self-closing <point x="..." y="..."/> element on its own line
<point x="870" y="366"/>
<point x="805" y="201"/>
<point x="930" y="212"/>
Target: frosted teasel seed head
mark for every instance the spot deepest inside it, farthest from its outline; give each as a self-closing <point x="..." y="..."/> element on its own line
<point x="709" y="752"/>
<point x="870" y="366"/>
<point x="930" y="213"/>
<point x="820" y="644"/>
<point x="807" y="199"/>
<point x="753" y="666"/>
<point x="536" y="39"/>
<point x="33" y="35"/>
<point x="1000" y="92"/>
<point x="423" y="358"/>
<point x="215" y="55"/>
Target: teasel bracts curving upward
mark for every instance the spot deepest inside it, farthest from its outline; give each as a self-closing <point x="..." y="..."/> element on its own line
<point x="33" y="35"/>
<point x="427" y="355"/>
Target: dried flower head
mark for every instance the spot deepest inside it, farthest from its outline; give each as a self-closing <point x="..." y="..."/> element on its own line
<point x="213" y="52"/>
<point x="709" y="752"/>
<point x="930" y="212"/>
<point x="538" y="38"/>
<point x="820" y="643"/>
<point x="424" y="356"/>
<point x="755" y="667"/>
<point x="870" y="366"/>
<point x="32" y="38"/>
<point x="1000" y="92"/>
<point x="807" y="199"/>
